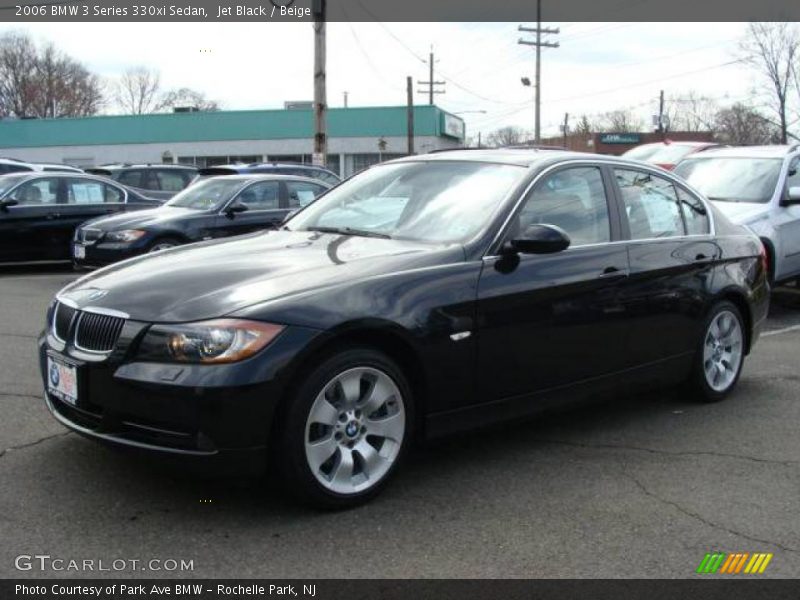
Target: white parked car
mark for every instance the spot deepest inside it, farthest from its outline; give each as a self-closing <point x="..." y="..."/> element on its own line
<point x="757" y="186"/>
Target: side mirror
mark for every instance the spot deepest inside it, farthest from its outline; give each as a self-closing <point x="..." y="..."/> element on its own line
<point x="538" y="239"/>
<point x="4" y="204"/>
<point x="236" y="207"/>
<point x="793" y="197"/>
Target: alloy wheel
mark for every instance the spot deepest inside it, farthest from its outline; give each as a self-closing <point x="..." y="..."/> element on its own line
<point x="722" y="351"/>
<point x="159" y="246"/>
<point x="355" y="430"/>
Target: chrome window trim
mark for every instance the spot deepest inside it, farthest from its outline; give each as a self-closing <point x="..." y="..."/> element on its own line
<point x="589" y="162"/>
<point x="687" y="238"/>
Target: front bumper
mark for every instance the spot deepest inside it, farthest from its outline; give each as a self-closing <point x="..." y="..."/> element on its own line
<point x="216" y="417"/>
<point x="102" y="254"/>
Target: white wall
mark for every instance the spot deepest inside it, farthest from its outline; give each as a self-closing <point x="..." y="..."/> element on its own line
<point x="152" y="153"/>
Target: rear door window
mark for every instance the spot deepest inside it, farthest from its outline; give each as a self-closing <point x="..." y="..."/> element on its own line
<point x="171" y="180"/>
<point x="131" y="178"/>
<point x="651" y="205"/>
<point x="302" y="193"/>
<point x="695" y="214"/>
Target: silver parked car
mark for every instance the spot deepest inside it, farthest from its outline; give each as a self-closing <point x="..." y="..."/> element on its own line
<point x="757" y="186"/>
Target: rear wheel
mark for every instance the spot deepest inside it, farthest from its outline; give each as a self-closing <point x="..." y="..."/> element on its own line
<point x="719" y="360"/>
<point x="346" y="429"/>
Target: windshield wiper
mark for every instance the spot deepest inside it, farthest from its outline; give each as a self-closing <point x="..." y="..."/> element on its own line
<point x="351" y="231"/>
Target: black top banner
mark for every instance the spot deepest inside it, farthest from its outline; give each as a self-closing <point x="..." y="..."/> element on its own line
<point x="394" y="10"/>
<point x="334" y="589"/>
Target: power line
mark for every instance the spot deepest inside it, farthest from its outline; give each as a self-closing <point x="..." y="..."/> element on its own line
<point x="649" y="82"/>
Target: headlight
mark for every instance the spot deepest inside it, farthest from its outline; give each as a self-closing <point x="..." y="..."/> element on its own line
<point x="126" y="235"/>
<point x="207" y="342"/>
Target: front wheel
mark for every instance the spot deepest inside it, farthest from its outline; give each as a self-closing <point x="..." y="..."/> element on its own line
<point x="163" y="244"/>
<point x="346" y="429"/>
<point x="719" y="359"/>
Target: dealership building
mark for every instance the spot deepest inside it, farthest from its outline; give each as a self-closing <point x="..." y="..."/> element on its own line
<point x="357" y="137"/>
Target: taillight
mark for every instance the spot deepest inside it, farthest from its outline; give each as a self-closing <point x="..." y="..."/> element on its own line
<point x="764" y="258"/>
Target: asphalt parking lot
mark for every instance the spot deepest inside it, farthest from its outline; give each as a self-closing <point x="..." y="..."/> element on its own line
<point x="639" y="487"/>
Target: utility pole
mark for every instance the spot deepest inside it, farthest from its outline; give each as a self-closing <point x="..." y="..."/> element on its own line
<point x="320" y="156"/>
<point x="566" y="128"/>
<point x="345" y="99"/>
<point x="479" y="139"/>
<point x="431" y="83"/>
<point x="539" y="44"/>
<point x="410" y="113"/>
<point x="661" y="114"/>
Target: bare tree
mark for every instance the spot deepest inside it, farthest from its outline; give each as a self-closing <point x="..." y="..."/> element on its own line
<point x="65" y="87"/>
<point x="620" y="121"/>
<point x="44" y="82"/>
<point x="584" y="126"/>
<point x="506" y="136"/>
<point x="773" y="48"/>
<point x="692" y="112"/>
<point x="189" y="98"/>
<point x="742" y="125"/>
<point x="138" y="91"/>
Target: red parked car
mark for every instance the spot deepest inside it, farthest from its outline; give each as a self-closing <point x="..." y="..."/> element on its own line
<point x="667" y="154"/>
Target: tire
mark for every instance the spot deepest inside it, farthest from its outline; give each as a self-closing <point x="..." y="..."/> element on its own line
<point x="333" y="454"/>
<point x="720" y="354"/>
<point x="163" y="244"/>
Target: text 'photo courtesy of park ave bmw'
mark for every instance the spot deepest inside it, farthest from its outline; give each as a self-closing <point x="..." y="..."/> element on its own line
<point x="369" y="293"/>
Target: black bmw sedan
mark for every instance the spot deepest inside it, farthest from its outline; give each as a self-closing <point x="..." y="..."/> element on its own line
<point x="423" y="296"/>
<point x="213" y="208"/>
<point x="39" y="211"/>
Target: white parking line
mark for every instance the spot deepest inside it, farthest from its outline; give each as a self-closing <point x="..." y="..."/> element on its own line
<point x="778" y="331"/>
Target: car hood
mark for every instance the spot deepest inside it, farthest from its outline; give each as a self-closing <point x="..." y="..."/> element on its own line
<point x="216" y="278"/>
<point x="742" y="213"/>
<point x="140" y="219"/>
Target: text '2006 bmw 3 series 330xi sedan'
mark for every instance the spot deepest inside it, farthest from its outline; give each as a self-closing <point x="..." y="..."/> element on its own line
<point x="423" y="296"/>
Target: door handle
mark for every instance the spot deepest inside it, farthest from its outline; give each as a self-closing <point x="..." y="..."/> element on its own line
<point x="702" y="258"/>
<point x="613" y="273"/>
<point x="53" y="215"/>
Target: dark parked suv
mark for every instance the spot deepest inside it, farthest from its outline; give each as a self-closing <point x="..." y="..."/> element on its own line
<point x="154" y="181"/>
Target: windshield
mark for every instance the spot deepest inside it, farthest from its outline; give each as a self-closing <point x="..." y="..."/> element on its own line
<point x="209" y="194"/>
<point x="434" y="201"/>
<point x="732" y="179"/>
<point x="9" y="181"/>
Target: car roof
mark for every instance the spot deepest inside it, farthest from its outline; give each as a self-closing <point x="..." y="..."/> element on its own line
<point x="774" y="151"/>
<point x="117" y="167"/>
<point x="520" y="157"/>
<point x="265" y="177"/>
<point x="244" y="168"/>
<point x="60" y="174"/>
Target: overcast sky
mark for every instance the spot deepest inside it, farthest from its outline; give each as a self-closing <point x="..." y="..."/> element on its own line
<point x="599" y="67"/>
